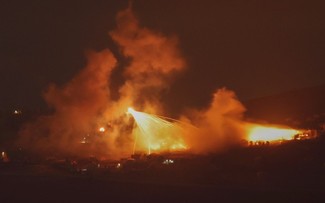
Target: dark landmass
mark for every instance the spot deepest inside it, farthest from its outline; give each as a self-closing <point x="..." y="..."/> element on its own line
<point x="303" y="108"/>
<point x="290" y="172"/>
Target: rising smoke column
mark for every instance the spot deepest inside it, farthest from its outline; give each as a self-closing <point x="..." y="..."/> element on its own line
<point x="155" y="60"/>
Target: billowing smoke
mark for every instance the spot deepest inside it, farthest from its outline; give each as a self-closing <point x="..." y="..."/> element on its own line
<point x="88" y="121"/>
<point x="84" y="104"/>
<point x="219" y="126"/>
<point x="155" y="60"/>
<point x="78" y="106"/>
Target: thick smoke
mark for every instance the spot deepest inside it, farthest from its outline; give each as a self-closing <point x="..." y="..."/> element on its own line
<point x="219" y="126"/>
<point x="78" y="106"/>
<point x="155" y="60"/>
<point x="84" y="104"/>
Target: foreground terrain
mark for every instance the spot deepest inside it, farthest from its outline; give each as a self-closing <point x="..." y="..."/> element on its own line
<point x="289" y="172"/>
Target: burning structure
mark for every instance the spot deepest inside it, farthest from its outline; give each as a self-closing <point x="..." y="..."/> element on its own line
<point x="85" y="103"/>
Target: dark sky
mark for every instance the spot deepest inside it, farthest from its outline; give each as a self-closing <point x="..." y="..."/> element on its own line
<point x="255" y="48"/>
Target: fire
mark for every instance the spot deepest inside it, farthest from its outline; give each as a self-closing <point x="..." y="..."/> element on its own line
<point x="156" y="133"/>
<point x="101" y="129"/>
<point x="155" y="60"/>
<point x="264" y="133"/>
<point x="130" y="110"/>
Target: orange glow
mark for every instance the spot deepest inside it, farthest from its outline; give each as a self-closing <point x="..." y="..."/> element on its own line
<point x="264" y="133"/>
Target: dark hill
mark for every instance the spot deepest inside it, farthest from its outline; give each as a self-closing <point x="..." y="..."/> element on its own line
<point x="299" y="108"/>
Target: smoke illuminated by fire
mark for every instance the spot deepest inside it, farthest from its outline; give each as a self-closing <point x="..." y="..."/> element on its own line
<point x="84" y="105"/>
<point x="156" y="133"/>
<point x="88" y="121"/>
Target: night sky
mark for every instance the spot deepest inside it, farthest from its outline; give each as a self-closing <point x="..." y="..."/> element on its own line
<point x="255" y="48"/>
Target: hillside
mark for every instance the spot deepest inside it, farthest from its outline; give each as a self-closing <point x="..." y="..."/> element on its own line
<point x="299" y="108"/>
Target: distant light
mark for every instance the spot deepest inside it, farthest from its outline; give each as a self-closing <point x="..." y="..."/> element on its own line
<point x="118" y="165"/>
<point x="101" y="129"/>
<point x="4" y="157"/>
<point x="83" y="141"/>
<point x="168" y="161"/>
<point x="17" y="112"/>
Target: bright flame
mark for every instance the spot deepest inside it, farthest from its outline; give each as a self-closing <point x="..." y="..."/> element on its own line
<point x="263" y="133"/>
<point x="101" y="129"/>
<point x="131" y="110"/>
<point x="156" y="133"/>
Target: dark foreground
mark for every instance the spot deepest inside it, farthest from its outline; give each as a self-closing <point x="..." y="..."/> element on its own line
<point x="291" y="172"/>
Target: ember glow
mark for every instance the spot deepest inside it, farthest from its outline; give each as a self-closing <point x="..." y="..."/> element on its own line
<point x="264" y="133"/>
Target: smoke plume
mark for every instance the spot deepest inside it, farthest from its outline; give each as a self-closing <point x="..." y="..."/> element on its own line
<point x="83" y="105"/>
<point x="155" y="60"/>
<point x="88" y="121"/>
<point x="219" y="126"/>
